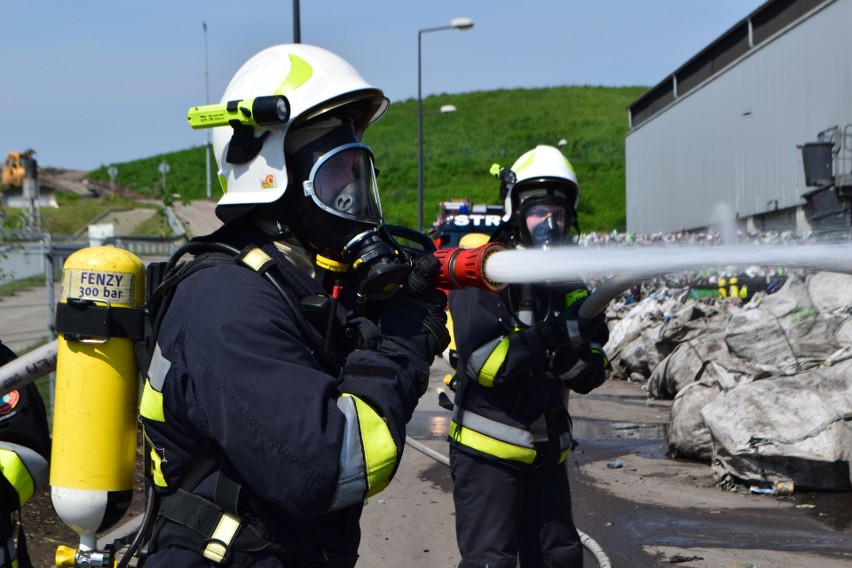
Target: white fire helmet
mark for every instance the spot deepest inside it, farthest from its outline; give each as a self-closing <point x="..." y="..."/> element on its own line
<point x="543" y="165"/>
<point x="541" y="201"/>
<point x="314" y="82"/>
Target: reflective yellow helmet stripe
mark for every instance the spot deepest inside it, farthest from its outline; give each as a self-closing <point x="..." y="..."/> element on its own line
<point x="300" y="72"/>
<point x="12" y="467"/>
<point x="525" y="164"/>
<point x="491" y="446"/>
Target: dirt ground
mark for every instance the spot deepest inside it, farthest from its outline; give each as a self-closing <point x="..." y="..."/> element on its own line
<point x="652" y="511"/>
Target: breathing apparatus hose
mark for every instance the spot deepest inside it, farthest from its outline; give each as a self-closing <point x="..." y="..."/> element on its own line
<point x="586" y="540"/>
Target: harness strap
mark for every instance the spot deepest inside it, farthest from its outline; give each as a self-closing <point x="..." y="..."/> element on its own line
<point x="85" y="318"/>
<point x="189" y="521"/>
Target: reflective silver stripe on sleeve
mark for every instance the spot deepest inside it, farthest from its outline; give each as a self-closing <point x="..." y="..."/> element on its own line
<point x="565" y="440"/>
<point x="578" y="368"/>
<point x="480" y="356"/>
<point x="574" y="336"/>
<point x="158" y="369"/>
<point x="352" y="484"/>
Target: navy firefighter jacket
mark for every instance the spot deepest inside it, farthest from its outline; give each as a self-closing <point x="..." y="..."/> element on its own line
<point x="232" y="369"/>
<point x="509" y="406"/>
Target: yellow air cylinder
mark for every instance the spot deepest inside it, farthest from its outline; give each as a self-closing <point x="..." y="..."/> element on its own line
<point x="96" y="399"/>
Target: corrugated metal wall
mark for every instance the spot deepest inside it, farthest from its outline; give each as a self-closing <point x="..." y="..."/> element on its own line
<point x="728" y="148"/>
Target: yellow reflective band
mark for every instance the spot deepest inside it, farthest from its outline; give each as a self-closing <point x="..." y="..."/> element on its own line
<point x="256" y="259"/>
<point x="300" y="72"/>
<point x="492" y="365"/>
<point x="224" y="183"/>
<point x="157" y="468"/>
<point x="379" y="448"/>
<point x="151" y="406"/>
<point x="14" y="470"/>
<point x="563" y="455"/>
<point x="572" y="297"/>
<point x="491" y="446"/>
<point x="602" y="354"/>
<point x="570" y="167"/>
<point x="221" y="538"/>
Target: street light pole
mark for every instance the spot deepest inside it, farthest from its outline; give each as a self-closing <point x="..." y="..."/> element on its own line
<point x="455" y="24"/>
<point x="297" y="24"/>
<point x="207" y="101"/>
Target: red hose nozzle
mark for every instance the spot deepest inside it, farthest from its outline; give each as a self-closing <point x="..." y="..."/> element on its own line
<point x="464" y="268"/>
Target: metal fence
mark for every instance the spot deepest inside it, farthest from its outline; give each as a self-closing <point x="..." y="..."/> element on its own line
<point x="27" y="315"/>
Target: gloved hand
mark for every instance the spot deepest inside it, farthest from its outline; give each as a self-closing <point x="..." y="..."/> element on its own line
<point x="413" y="327"/>
<point x="568" y="328"/>
<point x="417" y="323"/>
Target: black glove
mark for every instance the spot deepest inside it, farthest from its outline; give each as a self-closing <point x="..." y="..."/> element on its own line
<point x="417" y="323"/>
<point x="568" y="328"/>
<point x="412" y="330"/>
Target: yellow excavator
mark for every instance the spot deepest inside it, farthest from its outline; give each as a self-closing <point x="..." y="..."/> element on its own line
<point x="20" y="182"/>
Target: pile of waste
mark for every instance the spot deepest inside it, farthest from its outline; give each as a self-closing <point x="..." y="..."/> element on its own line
<point x="762" y="388"/>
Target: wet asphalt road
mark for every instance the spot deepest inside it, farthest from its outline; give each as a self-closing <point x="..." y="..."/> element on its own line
<point x="653" y="511"/>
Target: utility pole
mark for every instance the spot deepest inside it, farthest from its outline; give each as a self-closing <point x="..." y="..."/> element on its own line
<point x="297" y="32"/>
<point x="206" y="101"/>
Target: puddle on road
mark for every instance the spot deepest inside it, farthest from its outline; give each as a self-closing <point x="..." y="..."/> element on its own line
<point x="436" y="424"/>
<point x="429" y="424"/>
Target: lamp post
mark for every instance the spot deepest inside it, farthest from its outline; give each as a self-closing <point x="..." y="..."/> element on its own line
<point x="207" y="102"/>
<point x="455" y="24"/>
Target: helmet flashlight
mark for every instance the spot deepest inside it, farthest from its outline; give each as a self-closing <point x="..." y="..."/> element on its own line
<point x="272" y="110"/>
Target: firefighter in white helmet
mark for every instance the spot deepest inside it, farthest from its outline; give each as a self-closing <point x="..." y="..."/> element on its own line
<point x="290" y="353"/>
<point x="518" y="351"/>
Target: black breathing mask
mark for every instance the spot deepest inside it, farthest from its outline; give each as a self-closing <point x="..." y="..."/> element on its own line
<point x="547" y="233"/>
<point x="544" y="221"/>
<point x="377" y="263"/>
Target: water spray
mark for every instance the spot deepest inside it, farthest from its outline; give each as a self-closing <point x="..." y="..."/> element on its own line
<point x="492" y="267"/>
<point x="622" y="267"/>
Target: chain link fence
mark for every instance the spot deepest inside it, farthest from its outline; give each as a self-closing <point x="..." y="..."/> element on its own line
<point x="30" y="280"/>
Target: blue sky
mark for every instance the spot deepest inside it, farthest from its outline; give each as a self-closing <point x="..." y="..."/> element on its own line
<point x="92" y="82"/>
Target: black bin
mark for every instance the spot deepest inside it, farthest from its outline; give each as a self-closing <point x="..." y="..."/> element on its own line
<point x="816" y="157"/>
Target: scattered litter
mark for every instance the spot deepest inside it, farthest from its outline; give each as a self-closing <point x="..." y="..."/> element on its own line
<point x="762" y="490"/>
<point x="615" y="464"/>
<point x="784" y="488"/>
<point x="806" y="506"/>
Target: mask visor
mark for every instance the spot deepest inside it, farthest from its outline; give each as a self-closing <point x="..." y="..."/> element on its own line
<point x="545" y="222"/>
<point x="343" y="183"/>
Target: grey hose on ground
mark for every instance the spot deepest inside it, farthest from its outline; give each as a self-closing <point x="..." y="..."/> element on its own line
<point x="586" y="540"/>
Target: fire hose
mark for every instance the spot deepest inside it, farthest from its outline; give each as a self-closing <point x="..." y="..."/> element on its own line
<point x="491" y="267"/>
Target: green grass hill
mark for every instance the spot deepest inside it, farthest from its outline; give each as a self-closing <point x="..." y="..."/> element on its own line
<point x="458" y="150"/>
